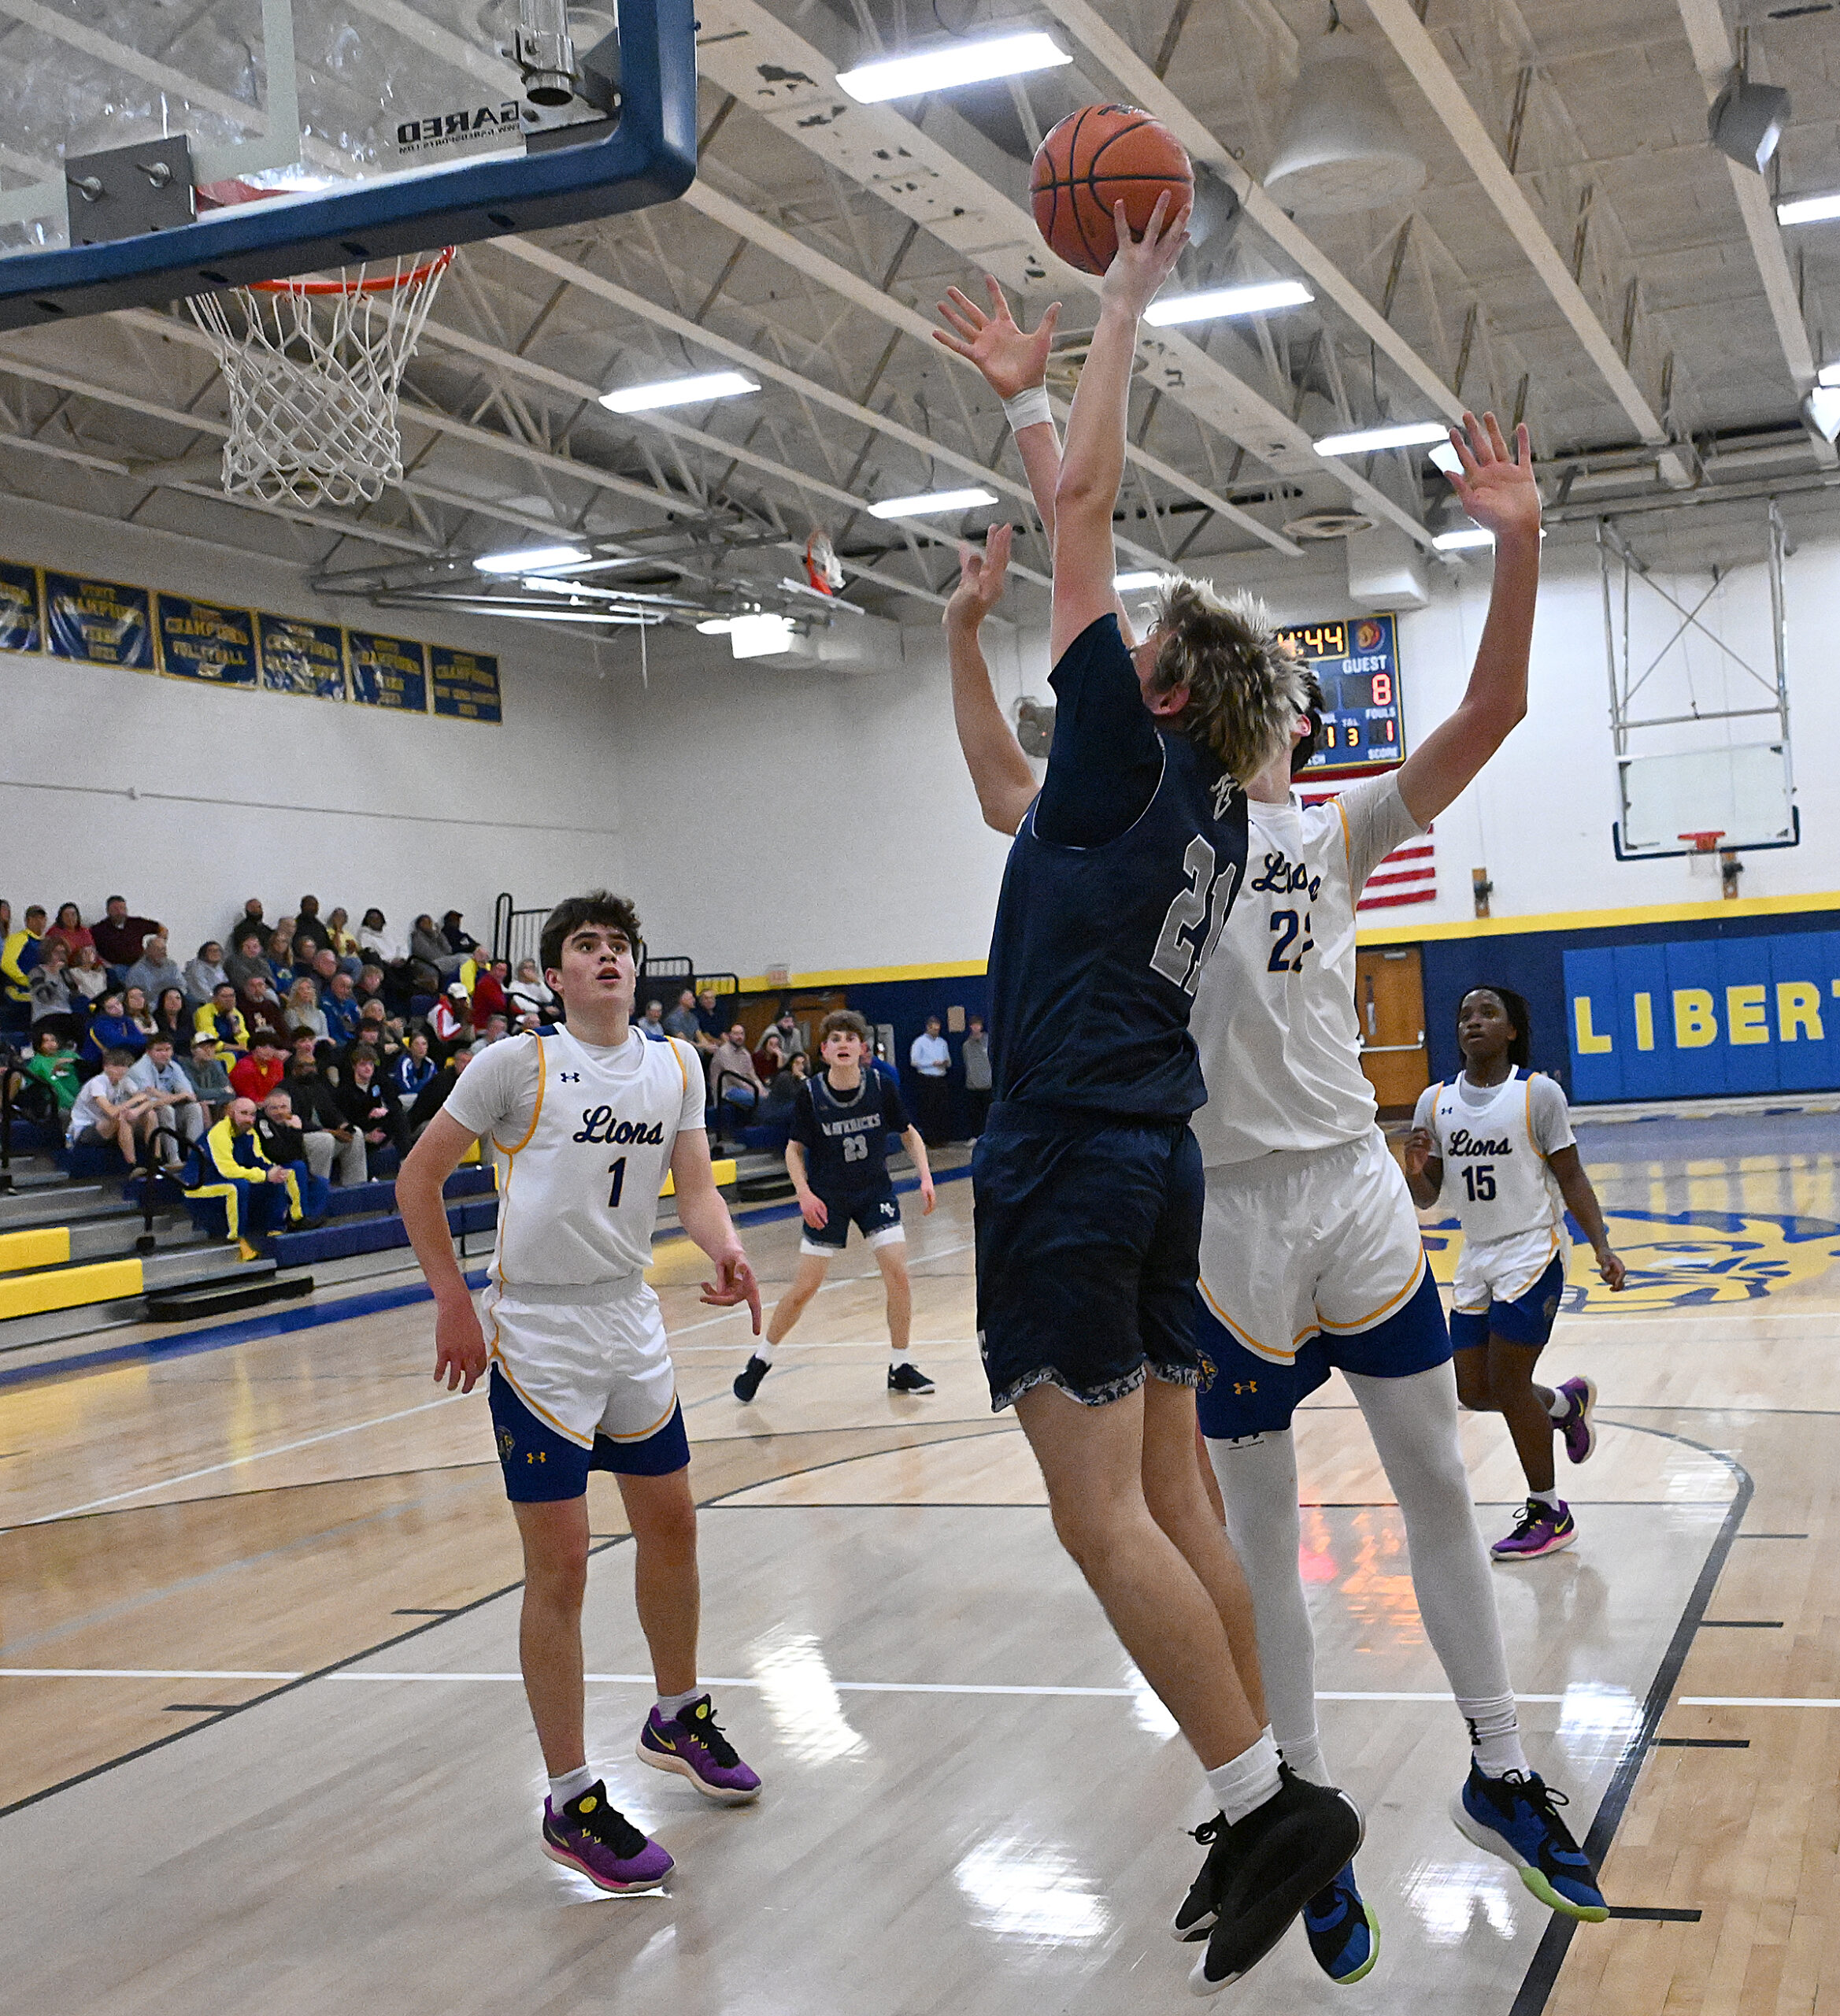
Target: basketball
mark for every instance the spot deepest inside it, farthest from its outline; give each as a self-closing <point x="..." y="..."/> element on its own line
<point x="1094" y="158"/>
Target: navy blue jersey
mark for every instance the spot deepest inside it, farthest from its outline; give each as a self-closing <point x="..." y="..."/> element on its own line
<point x="1098" y="946"/>
<point x="843" y="1134"/>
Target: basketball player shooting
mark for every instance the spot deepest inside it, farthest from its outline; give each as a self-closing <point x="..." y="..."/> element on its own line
<point x="1311" y="1255"/>
<point x="584" y="1121"/>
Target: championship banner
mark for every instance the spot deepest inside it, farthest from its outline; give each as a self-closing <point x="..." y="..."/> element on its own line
<point x="21" y="622"/>
<point x="388" y="671"/>
<point x="99" y="622"/>
<point x="465" y="682"/>
<point x="298" y="657"/>
<point x="198" y="640"/>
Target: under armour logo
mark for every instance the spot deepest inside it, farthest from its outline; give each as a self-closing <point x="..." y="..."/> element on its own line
<point x="569" y="1077"/>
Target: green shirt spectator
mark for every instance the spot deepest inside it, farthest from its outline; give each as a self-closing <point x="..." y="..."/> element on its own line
<point x="53" y="1064"/>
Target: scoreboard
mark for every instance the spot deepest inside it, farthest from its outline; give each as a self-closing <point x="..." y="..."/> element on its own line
<point x="1355" y="659"/>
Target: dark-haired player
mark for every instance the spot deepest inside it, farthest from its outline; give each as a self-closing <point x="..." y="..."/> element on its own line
<point x="1502" y="1135"/>
<point x="837" y="1158"/>
<point x="584" y="1121"/>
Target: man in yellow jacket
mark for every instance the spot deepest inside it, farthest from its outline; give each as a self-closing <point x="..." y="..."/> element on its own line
<point x="258" y="1195"/>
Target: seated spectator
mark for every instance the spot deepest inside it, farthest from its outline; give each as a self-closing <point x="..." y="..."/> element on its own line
<point x="374" y="1027"/>
<point x="370" y="1108"/>
<point x="453" y="1020"/>
<point x="458" y="939"/>
<point x="173" y="1018"/>
<point x="322" y="966"/>
<point x="53" y="1066"/>
<point x="209" y="1076"/>
<point x="489" y="997"/>
<point x="710" y="1027"/>
<point x="109" y="1029"/>
<point x="263" y="1008"/>
<point x="775" y="1108"/>
<point x="248" y="956"/>
<point x="496" y="1030"/>
<point x="304" y="1044"/>
<point x="106" y="1108"/>
<point x="389" y="948"/>
<point x="21" y="952"/>
<point x="285" y="1144"/>
<point x="172" y="1103"/>
<point x="119" y="938"/>
<point x="791" y="1033"/>
<point x="284" y="963"/>
<point x="205" y="974"/>
<point x="651" y="1024"/>
<point x="330" y="1137"/>
<point x="69" y="931"/>
<point x="414" y="1070"/>
<point x="339" y="1008"/>
<point x="54" y="1006"/>
<point x="309" y="930"/>
<point x="770" y="1058"/>
<point x="682" y="1020"/>
<point x="136" y="1006"/>
<point x="345" y="948"/>
<point x="302" y="1004"/>
<point x="432" y="961"/>
<point x="251" y="913"/>
<point x="530" y="994"/>
<point x="87" y="976"/>
<point x="222" y="1020"/>
<point x="370" y="986"/>
<point x="433" y="1095"/>
<point x="256" y="1076"/>
<point x="734" y="1082"/>
<point x="258" y="1196"/>
<point x="154" y="971"/>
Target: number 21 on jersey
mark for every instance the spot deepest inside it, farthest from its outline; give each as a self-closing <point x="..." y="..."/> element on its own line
<point x="1180" y="955"/>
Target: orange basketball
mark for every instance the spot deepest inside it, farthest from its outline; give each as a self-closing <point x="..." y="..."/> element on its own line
<point x="1094" y="158"/>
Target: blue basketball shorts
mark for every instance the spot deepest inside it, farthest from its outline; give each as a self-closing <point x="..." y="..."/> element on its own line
<point x="878" y="1218"/>
<point x="1527" y="1319"/>
<point x="1087" y="1232"/>
<point x="541" y="1464"/>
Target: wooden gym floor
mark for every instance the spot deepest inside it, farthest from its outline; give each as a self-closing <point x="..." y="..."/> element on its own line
<point x="265" y="1744"/>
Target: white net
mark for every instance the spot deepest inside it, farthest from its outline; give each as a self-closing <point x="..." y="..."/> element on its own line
<point x="313" y="369"/>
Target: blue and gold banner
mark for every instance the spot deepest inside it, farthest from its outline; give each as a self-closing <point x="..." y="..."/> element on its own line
<point x="298" y="656"/>
<point x="465" y="682"/>
<point x="198" y="640"/>
<point x="99" y="622"/>
<point x="1693" y="1017"/>
<point x="388" y="671"/>
<point x="21" y="620"/>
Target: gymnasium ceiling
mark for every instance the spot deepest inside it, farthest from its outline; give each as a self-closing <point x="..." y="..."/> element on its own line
<point x="1579" y="252"/>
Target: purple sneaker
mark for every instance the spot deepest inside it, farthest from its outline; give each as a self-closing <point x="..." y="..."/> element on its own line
<point x="1543" y="1529"/>
<point x="692" y="1744"/>
<point x="600" y="1842"/>
<point x="1575" y="1424"/>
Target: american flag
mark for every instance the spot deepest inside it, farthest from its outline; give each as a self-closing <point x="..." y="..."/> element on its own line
<point x="1408" y="875"/>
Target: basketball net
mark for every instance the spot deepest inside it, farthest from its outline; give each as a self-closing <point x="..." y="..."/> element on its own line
<point x="822" y="567"/>
<point x="313" y="368"/>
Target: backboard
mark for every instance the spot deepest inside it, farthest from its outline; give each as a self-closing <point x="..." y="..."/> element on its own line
<point x="366" y="127"/>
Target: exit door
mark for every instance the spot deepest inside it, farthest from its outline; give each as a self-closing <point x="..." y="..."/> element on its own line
<point x="1390" y="1004"/>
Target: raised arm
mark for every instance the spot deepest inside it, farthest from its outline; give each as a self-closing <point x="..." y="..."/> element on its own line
<point x="1497" y="491"/>
<point x="1000" y="772"/>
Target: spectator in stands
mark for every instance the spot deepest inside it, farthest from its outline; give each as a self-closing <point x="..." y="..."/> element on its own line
<point x="932" y="1060"/>
<point x="414" y="1070"/>
<point x="651" y="1024"/>
<point x="210" y="1079"/>
<point x="69" y="931"/>
<point x="496" y="1030"/>
<point x="222" y="1020"/>
<point x="106" y="1108"/>
<point x="53" y="1065"/>
<point x="432" y="960"/>
<point x="284" y="1143"/>
<point x="458" y="939"/>
<point x="172" y="1103"/>
<point x="248" y="956"/>
<point x="791" y="1035"/>
<point x="257" y="1196"/>
<point x="309" y="926"/>
<point x="251" y="912"/>
<point x="345" y="948"/>
<point x="330" y="1137"/>
<point x="386" y="946"/>
<point x="205" y="974"/>
<point x="135" y="1007"/>
<point x="733" y="1079"/>
<point x="489" y="996"/>
<point x="53" y="1006"/>
<point x="109" y="1029"/>
<point x="974" y="1055"/>
<point x="433" y="1095"/>
<point x="119" y="938"/>
<point x="325" y="964"/>
<point x="339" y="1008"/>
<point x="283" y="968"/>
<point x="682" y="1021"/>
<point x="452" y="1019"/>
<point x="172" y="1017"/>
<point x="154" y="970"/>
<point x="256" y="1076"/>
<point x="370" y="1108"/>
<point x="370" y="986"/>
<point x="530" y="994"/>
<point x="22" y="951"/>
<point x="263" y="1009"/>
<point x="710" y="1028"/>
<point x="87" y="976"/>
<point x="373" y="1024"/>
<point x="302" y="1002"/>
<point x="775" y="1108"/>
<point x="770" y="1057"/>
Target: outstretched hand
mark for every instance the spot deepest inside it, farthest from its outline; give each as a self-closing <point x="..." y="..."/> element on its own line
<point x="1012" y="358"/>
<point x="980" y="577"/>
<point x="1496" y="488"/>
<point x="1140" y="265"/>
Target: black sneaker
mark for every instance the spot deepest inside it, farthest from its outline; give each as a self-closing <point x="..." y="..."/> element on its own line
<point x="747" y="1381"/>
<point x="1194" y="1917"/>
<point x="907" y="1379"/>
<point x="1281" y="1855"/>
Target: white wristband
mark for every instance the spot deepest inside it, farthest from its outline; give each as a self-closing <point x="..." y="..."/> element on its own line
<point x="1028" y="409"/>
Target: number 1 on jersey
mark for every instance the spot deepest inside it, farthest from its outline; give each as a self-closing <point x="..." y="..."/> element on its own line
<point x="617" y="1171"/>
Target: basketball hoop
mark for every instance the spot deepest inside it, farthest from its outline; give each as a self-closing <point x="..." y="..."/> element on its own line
<point x="313" y="368"/>
<point x="1702" y="843"/>
<point x="822" y="567"/>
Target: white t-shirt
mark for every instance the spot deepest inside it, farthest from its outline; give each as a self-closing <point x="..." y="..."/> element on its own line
<point x="1495" y="1142"/>
<point x="86" y="1112"/>
<point x="583" y="1136"/>
<point x="1273" y="1014"/>
<point x="930" y="1056"/>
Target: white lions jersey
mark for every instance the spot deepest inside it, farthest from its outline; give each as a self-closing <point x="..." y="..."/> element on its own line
<point x="583" y="1136"/>
<point x="1494" y="1141"/>
<point x="1274" y="1015"/>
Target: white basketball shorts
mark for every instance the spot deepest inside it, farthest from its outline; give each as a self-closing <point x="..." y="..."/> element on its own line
<point x="584" y="1359"/>
<point x="1503" y="1269"/>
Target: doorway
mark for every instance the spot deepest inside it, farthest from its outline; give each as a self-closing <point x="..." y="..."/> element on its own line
<point x="1390" y="1004"/>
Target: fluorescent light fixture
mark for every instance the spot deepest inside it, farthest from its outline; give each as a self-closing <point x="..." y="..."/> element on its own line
<point x="678" y="392"/>
<point x="930" y="500"/>
<point x="716" y="626"/>
<point x="1412" y="434"/>
<point x="1446" y="458"/>
<point x="1129" y="584"/>
<point x="760" y="636"/>
<point x="523" y="561"/>
<point x="1829" y="374"/>
<point x="1809" y="209"/>
<point x="1822" y="407"/>
<point x="1218" y="301"/>
<point x="940" y="69"/>
<point x="1462" y="538"/>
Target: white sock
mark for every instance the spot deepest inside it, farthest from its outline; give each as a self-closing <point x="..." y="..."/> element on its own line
<point x="571" y="1784"/>
<point x="898" y="1356"/>
<point x="1559" y="1406"/>
<point x="1304" y="1753"/>
<point x="1549" y="1498"/>
<point x="671" y="1705"/>
<point x="762" y="1350"/>
<point x="1494" y="1736"/>
<point x="1244" y="1783"/>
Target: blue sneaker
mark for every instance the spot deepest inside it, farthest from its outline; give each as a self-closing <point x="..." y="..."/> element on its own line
<point x="1515" y="1817"/>
<point x="1343" y="1933"/>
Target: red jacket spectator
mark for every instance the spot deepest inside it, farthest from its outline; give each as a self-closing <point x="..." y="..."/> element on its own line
<point x="119" y="938"/>
<point x="488" y="998"/>
<point x="256" y="1076"/>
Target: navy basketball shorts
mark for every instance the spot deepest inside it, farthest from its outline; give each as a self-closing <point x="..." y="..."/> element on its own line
<point x="540" y="1465"/>
<point x="1243" y="1393"/>
<point x="1087" y="1232"/>
<point x="878" y="1218"/>
<point x="1527" y="1319"/>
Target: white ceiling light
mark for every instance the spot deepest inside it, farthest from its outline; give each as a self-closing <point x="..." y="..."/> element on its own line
<point x="716" y="626"/>
<point x="1342" y="147"/>
<point x="523" y="561"/>
<point x="940" y="69"/>
<point x="1254" y="299"/>
<point x="1446" y="458"/>
<point x="1809" y="209"/>
<point x="930" y="500"/>
<point x="1462" y="538"/>
<point x="678" y="392"/>
<point x="1828" y="374"/>
<point x="1127" y="584"/>
<point x="760" y="636"/>
<point x="1412" y="434"/>
<point x="1822" y="407"/>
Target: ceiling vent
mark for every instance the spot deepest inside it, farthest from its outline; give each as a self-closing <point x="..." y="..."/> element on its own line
<point x="1329" y="524"/>
<point x="1342" y="148"/>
